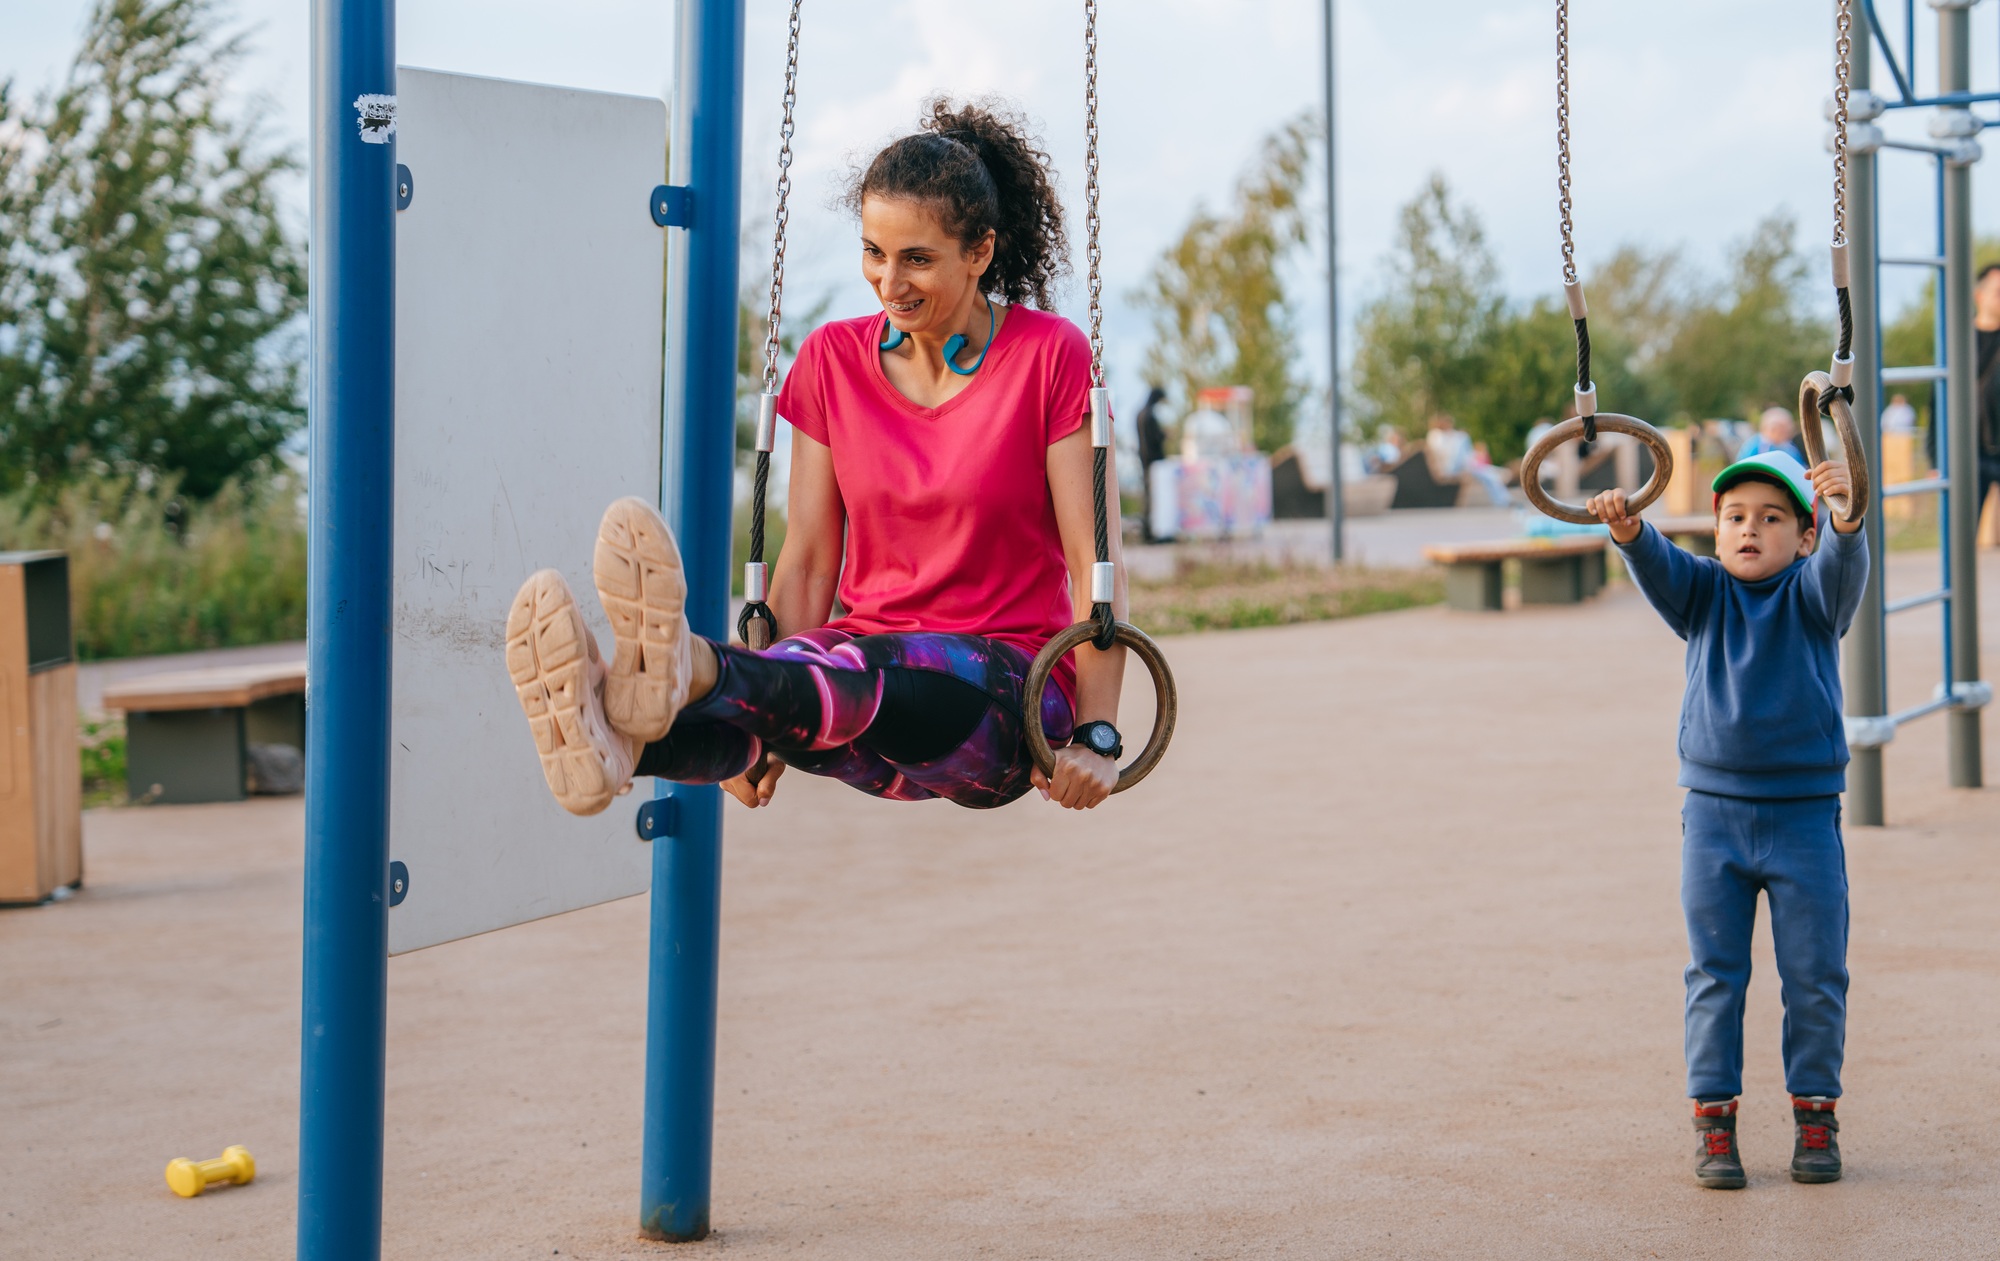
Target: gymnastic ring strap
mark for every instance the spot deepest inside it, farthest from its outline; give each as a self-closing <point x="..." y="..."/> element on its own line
<point x="1166" y="708"/>
<point x="1577" y="514"/>
<point x="1818" y="396"/>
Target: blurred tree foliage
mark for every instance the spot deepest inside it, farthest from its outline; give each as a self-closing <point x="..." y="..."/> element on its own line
<point x="1217" y="296"/>
<point x="149" y="289"/>
<point x="1666" y="344"/>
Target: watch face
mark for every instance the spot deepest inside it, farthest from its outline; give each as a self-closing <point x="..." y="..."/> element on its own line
<point x="1102" y="739"/>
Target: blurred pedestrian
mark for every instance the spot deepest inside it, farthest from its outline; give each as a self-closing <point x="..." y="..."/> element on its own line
<point x="1776" y="431"/>
<point x="1152" y="449"/>
<point x="1899" y="416"/>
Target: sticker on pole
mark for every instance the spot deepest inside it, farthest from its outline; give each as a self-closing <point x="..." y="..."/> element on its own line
<point x="378" y="117"/>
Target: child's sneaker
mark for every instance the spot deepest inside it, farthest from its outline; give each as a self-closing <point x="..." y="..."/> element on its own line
<point x="1716" y="1161"/>
<point x="1816" y="1152"/>
<point x="639" y="582"/>
<point x="552" y="659"/>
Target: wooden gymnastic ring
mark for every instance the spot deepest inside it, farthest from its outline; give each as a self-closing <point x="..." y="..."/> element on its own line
<point x="1818" y="387"/>
<point x="1165" y="710"/>
<point x="1607" y="422"/>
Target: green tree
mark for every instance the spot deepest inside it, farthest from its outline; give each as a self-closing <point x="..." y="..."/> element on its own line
<point x="1746" y="345"/>
<point x="1442" y="337"/>
<point x="1217" y="294"/>
<point x="149" y="290"/>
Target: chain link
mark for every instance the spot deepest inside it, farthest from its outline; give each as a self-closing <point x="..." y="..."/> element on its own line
<point x="1092" y="254"/>
<point x="1562" y="141"/>
<point x="1843" y="48"/>
<point x="785" y="130"/>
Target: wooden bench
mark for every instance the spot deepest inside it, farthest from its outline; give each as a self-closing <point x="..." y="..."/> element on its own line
<point x="1695" y="533"/>
<point x="1562" y="570"/>
<point x="189" y="733"/>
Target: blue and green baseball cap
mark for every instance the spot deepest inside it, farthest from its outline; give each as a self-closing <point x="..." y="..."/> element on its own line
<point x="1776" y="466"/>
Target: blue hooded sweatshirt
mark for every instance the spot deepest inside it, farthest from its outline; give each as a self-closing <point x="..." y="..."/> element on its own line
<point x="1761" y="717"/>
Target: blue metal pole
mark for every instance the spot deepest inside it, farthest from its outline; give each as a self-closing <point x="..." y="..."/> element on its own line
<point x="697" y="487"/>
<point x="352" y="440"/>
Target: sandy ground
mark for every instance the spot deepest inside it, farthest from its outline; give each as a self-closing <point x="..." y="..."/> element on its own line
<point x="1384" y="963"/>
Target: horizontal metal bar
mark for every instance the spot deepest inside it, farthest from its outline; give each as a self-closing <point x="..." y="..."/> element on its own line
<point x="1911" y="376"/>
<point x="1928" y="707"/>
<point x="1918" y="146"/>
<point x="1944" y="98"/>
<point x="1941" y="596"/>
<point x="1930" y="485"/>
<point x="1925" y="261"/>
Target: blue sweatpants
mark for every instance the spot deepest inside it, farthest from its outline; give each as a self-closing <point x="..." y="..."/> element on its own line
<point x="1791" y="849"/>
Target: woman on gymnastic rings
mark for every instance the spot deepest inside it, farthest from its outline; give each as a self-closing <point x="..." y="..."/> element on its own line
<point x="941" y="447"/>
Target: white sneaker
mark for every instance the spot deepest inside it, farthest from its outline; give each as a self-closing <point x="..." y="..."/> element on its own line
<point x="552" y="658"/>
<point x="639" y="582"/>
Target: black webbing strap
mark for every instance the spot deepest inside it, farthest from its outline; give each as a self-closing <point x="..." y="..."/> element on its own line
<point x="1107" y="620"/>
<point x="1583" y="373"/>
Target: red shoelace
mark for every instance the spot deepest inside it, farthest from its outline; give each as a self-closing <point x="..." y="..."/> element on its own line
<point x="1813" y="1136"/>
<point x="1719" y="1141"/>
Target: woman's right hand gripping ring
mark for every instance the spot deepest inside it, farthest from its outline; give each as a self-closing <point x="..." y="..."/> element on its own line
<point x="1165" y="709"/>
<point x="1607" y="422"/>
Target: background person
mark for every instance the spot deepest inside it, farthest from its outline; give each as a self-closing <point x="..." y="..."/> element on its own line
<point x="1899" y="416"/>
<point x="1776" y="431"/>
<point x="1152" y="449"/>
<point x="1986" y="333"/>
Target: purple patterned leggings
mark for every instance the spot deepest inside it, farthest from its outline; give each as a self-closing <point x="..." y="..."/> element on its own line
<point x="907" y="717"/>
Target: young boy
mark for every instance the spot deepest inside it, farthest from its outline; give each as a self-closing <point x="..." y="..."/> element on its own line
<point x="1763" y="757"/>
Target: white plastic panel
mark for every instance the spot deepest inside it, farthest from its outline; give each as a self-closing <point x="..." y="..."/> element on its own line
<point x="528" y="375"/>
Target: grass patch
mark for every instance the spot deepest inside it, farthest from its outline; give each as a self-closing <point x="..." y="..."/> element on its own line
<point x="101" y="747"/>
<point x="1204" y="597"/>
<point x="152" y="572"/>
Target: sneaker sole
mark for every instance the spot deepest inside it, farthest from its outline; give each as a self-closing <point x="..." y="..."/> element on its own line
<point x="1800" y="1175"/>
<point x="637" y="567"/>
<point x="1724" y="1184"/>
<point x="548" y="659"/>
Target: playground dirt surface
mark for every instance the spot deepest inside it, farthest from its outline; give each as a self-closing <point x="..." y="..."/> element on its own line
<point x="1385" y="961"/>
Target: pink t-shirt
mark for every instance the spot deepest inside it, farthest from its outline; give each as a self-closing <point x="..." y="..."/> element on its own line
<point x="950" y="524"/>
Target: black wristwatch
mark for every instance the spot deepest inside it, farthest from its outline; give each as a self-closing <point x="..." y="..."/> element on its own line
<point x="1100" y="737"/>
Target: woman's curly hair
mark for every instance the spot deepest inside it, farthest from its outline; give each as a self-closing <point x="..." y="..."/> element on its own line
<point x="981" y="168"/>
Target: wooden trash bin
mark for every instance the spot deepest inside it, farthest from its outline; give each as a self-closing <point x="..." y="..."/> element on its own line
<point x="41" y="774"/>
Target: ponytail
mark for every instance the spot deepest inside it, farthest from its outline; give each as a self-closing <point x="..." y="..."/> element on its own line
<point x="980" y="168"/>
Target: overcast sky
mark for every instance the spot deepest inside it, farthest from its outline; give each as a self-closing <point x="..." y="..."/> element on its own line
<point x="1692" y="121"/>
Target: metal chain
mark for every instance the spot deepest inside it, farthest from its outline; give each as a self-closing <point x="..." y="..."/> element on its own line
<point x="1562" y="141"/>
<point x="784" y="199"/>
<point x="1092" y="254"/>
<point x="1843" y="48"/>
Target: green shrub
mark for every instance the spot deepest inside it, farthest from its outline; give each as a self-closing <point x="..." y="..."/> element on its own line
<point x="152" y="572"/>
<point x="101" y="748"/>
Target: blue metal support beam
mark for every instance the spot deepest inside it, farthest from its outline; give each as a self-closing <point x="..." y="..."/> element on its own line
<point x="697" y="487"/>
<point x="351" y="432"/>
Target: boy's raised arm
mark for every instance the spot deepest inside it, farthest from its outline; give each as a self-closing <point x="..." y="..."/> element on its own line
<point x="1838" y="569"/>
<point x="1669" y="578"/>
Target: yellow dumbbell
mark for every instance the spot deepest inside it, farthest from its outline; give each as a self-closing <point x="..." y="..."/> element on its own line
<point x="192" y="1177"/>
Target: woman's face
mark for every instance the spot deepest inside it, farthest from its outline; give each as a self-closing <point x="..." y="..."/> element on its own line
<point x="922" y="276"/>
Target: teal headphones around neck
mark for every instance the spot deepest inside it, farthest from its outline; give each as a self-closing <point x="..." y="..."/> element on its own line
<point x="953" y="344"/>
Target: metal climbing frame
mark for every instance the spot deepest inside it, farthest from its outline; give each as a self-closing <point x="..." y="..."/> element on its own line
<point x="1951" y="150"/>
<point x="352" y="437"/>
